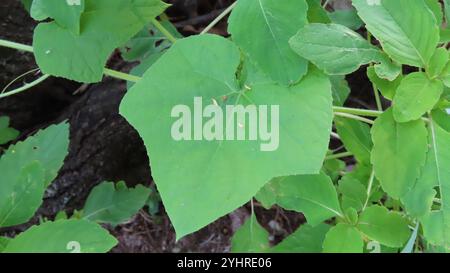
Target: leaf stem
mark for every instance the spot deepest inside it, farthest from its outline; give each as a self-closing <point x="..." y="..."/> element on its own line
<point x="356" y="111"/>
<point x="120" y="75"/>
<point x="218" y="18"/>
<point x="163" y="30"/>
<point x="25" y="87"/>
<point x="17" y="46"/>
<point x="339" y="155"/>
<point x="355" y="117"/>
<point x="369" y="188"/>
<point x="27" y="48"/>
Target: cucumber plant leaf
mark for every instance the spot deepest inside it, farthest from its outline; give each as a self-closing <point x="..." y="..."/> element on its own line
<point x="83" y="57"/>
<point x="114" y="204"/>
<point x="407" y="37"/>
<point x="272" y="22"/>
<point x="62" y="236"/>
<point x="415" y="96"/>
<point x="398" y="154"/>
<point x="205" y="66"/>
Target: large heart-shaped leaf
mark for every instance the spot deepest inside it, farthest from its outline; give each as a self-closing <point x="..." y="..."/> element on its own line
<point x="82" y="57"/>
<point x="263" y="27"/>
<point x="201" y="180"/>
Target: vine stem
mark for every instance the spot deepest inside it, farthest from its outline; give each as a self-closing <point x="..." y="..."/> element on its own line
<point x="356" y="111"/>
<point x="355" y="117"/>
<point x="218" y="18"/>
<point x="369" y="188"/>
<point x="163" y="30"/>
<point x="27" y="48"/>
<point x="24" y="87"/>
<point x="339" y="155"/>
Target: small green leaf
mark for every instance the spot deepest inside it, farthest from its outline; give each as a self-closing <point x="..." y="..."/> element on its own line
<point x="398" y="153"/>
<point x="306" y="239"/>
<point x="436" y="8"/>
<point x="343" y="238"/>
<point x="415" y="96"/>
<point x="3" y="243"/>
<point x="313" y="195"/>
<point x="346" y="17"/>
<point x="335" y="49"/>
<point x="251" y="237"/>
<point x="63" y="236"/>
<point x="388" y="228"/>
<point x="7" y="134"/>
<point x="386" y="87"/>
<point x="352" y="216"/>
<point x="27" y="169"/>
<point x="340" y="89"/>
<point x="407" y="37"/>
<point x="436" y="223"/>
<point x="437" y="62"/>
<point x="354" y="194"/>
<point x="356" y="138"/>
<point x="114" y="204"/>
<point x="317" y="14"/>
<point x="272" y="22"/>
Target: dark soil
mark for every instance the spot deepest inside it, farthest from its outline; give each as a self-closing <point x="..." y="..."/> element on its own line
<point x="105" y="147"/>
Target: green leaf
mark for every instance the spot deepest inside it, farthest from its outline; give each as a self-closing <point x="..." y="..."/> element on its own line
<point x="65" y="15"/>
<point x="27" y="168"/>
<point x="83" y="57"/>
<point x="335" y="49"/>
<point x="436" y="8"/>
<point x="415" y="96"/>
<point x="343" y="238"/>
<point x="398" y="153"/>
<point x="6" y="133"/>
<point x="22" y="194"/>
<point x="386" y="87"/>
<point x="436" y="224"/>
<point x="63" y="236"/>
<point x="114" y="204"/>
<point x="272" y="22"/>
<point x="346" y="17"/>
<point x="437" y="62"/>
<point x="354" y="194"/>
<point x="313" y="195"/>
<point x="340" y="90"/>
<point x="27" y="4"/>
<point x="387" y="227"/>
<point x="306" y="239"/>
<point x="407" y="37"/>
<point x="333" y="168"/>
<point x="447" y="10"/>
<point x="317" y="14"/>
<point x="419" y="199"/>
<point x="251" y="237"/>
<point x="356" y="138"/>
<point x="205" y="66"/>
